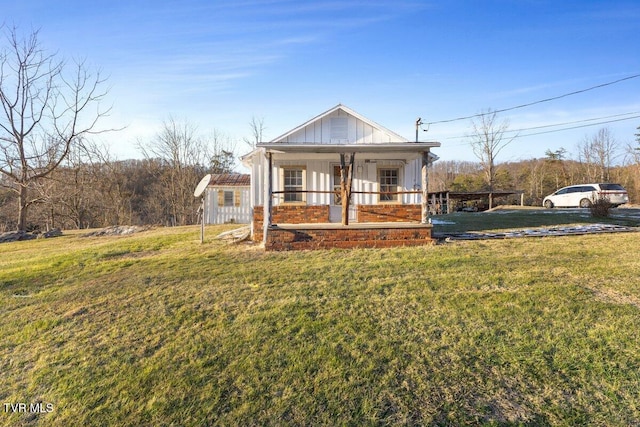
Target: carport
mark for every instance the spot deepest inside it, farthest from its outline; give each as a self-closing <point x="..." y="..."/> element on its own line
<point x="441" y="202"/>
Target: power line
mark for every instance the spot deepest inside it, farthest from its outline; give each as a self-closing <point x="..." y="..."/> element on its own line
<point x="577" y="121"/>
<point x="578" y="127"/>
<point x="536" y="102"/>
<point x="564" y="124"/>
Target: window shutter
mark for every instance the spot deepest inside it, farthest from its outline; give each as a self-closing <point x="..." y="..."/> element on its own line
<point x="236" y="198"/>
<point x="220" y="198"/>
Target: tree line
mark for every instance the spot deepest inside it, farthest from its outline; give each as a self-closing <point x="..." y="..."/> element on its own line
<point x="597" y="158"/>
<point x="90" y="189"/>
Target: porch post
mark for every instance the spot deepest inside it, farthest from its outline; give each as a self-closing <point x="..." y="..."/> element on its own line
<point x="268" y="200"/>
<point x="425" y="187"/>
<point x="346" y="181"/>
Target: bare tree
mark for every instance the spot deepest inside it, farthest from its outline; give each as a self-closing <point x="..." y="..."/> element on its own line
<point x="444" y="172"/>
<point x="597" y="153"/>
<point x="44" y="111"/>
<point x="257" y="131"/>
<point x="221" y="152"/>
<point x="108" y="183"/>
<point x="487" y="141"/>
<point x="179" y="149"/>
<point x="66" y="192"/>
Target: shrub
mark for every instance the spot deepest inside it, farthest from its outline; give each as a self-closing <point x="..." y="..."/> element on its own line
<point x="600" y="208"/>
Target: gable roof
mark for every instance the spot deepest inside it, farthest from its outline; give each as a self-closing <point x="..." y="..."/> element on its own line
<point x="297" y="140"/>
<point x="392" y="135"/>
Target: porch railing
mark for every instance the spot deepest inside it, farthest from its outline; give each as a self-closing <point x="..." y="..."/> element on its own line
<point x="338" y="192"/>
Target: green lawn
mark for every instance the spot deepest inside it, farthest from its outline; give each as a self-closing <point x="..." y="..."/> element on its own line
<point x="156" y="329"/>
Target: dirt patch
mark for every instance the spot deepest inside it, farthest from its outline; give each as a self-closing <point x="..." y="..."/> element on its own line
<point x="614" y="297"/>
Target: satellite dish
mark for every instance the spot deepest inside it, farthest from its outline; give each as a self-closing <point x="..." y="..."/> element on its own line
<point x="202" y="185"/>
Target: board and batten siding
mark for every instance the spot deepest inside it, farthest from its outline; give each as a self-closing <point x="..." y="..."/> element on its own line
<point x="239" y="213"/>
<point x="328" y="131"/>
<point x="257" y="180"/>
<point x="319" y="175"/>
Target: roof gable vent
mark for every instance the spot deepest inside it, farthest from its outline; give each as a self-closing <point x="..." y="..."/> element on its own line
<point x="339" y="129"/>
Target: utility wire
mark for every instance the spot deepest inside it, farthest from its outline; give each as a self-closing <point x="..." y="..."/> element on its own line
<point x="536" y="102"/>
<point x="578" y="127"/>
<point x="577" y="121"/>
<point x="560" y="124"/>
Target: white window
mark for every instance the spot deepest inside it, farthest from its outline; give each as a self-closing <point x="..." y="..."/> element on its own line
<point x="293" y="179"/>
<point x="389" y="185"/>
<point x="228" y="198"/>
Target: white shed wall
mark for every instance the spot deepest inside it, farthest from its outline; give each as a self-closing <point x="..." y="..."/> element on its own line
<point x="215" y="214"/>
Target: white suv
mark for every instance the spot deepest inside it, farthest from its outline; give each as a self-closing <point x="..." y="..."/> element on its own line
<point x="584" y="195"/>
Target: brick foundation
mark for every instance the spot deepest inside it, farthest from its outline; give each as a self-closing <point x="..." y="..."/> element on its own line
<point x="389" y="213"/>
<point x="289" y="214"/>
<point x="366" y="233"/>
<point x="362" y="236"/>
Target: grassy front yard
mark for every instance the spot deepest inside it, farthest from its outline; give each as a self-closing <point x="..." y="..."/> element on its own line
<point x="155" y="329"/>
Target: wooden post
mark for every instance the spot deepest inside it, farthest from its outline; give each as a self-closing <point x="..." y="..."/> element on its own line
<point x="433" y="202"/>
<point x="343" y="190"/>
<point x="346" y="181"/>
<point x="522" y="199"/>
<point x="425" y="187"/>
<point x="268" y="200"/>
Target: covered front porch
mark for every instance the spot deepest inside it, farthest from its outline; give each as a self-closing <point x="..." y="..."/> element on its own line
<point x="365" y="195"/>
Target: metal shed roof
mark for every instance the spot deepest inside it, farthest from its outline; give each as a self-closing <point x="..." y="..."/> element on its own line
<point x="230" y="179"/>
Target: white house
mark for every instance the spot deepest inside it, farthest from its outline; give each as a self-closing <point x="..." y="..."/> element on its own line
<point x="300" y="179"/>
<point x="228" y="199"/>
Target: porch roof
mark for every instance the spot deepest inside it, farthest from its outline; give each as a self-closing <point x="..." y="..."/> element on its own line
<point x="392" y="147"/>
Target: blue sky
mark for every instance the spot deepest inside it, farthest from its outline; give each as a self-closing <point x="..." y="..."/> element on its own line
<point x="218" y="63"/>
